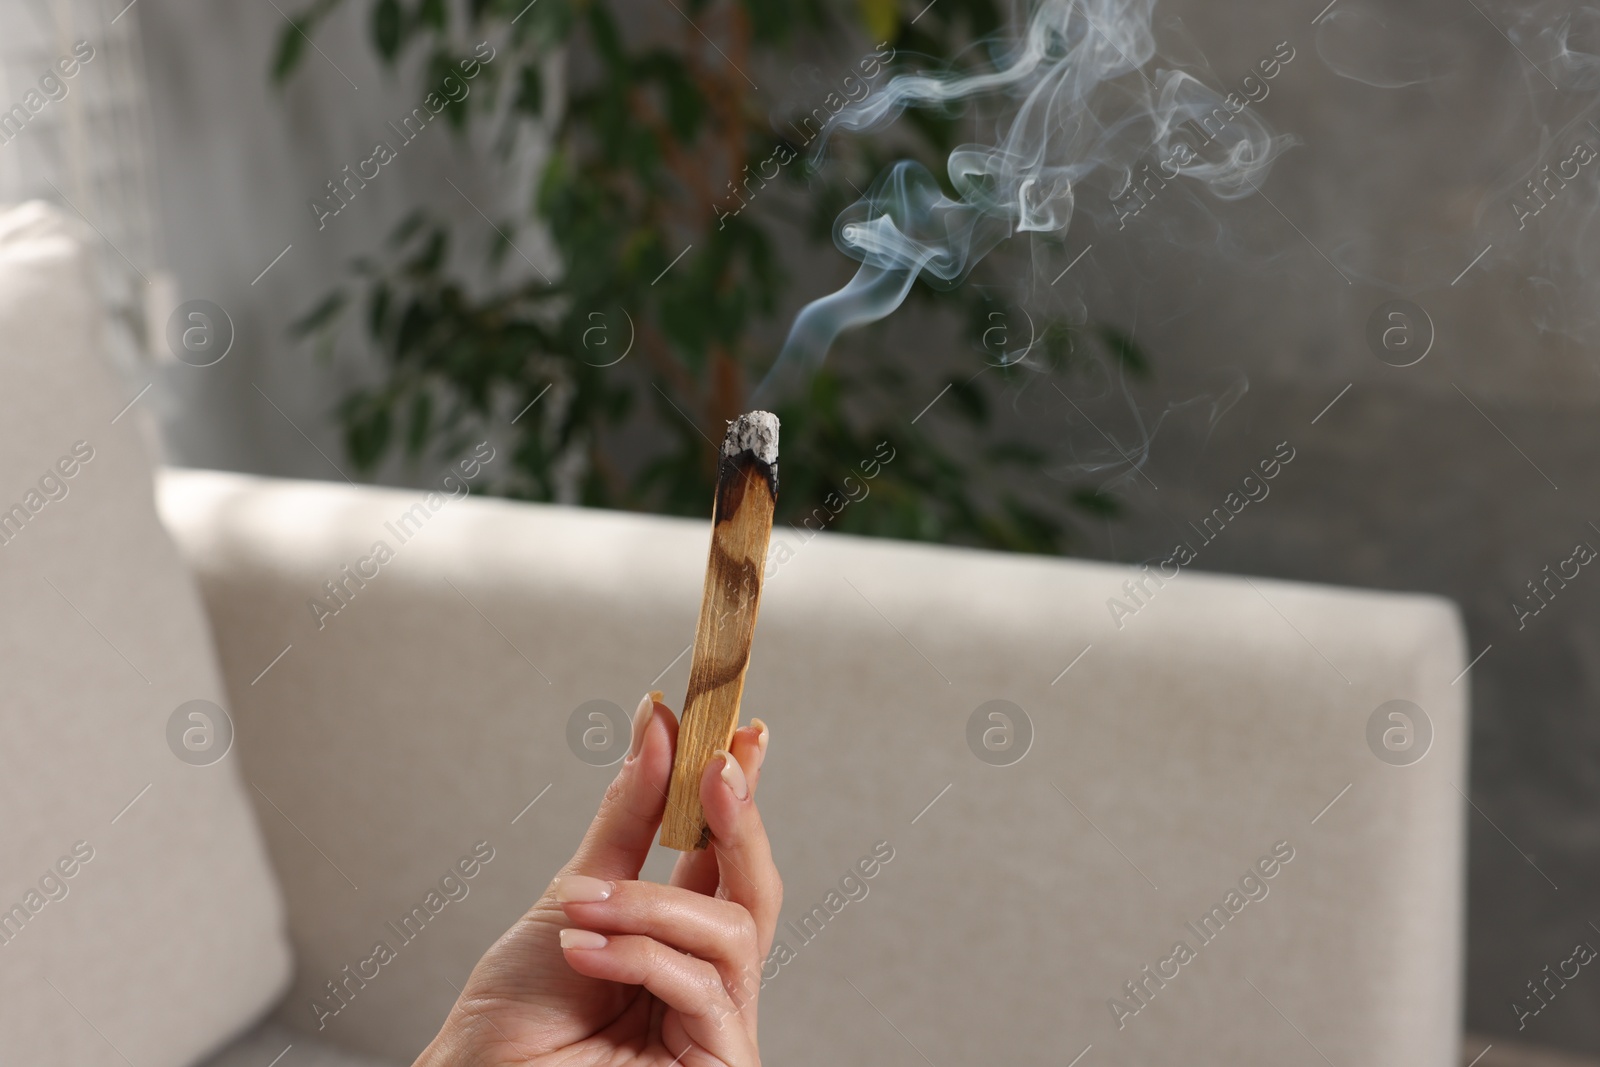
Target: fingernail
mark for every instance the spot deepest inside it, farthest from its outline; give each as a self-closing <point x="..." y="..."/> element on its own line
<point x="581" y="889"/>
<point x="732" y="773"/>
<point x="582" y="939"/>
<point x="641" y="720"/>
<point x="761" y="740"/>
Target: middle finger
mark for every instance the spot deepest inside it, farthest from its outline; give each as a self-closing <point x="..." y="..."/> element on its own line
<point x="718" y="931"/>
<point x="697" y="870"/>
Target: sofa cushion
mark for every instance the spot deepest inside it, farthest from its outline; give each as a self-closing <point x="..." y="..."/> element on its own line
<point x="139" y="919"/>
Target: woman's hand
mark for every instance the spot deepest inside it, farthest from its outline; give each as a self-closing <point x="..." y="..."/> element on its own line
<point x="606" y="969"/>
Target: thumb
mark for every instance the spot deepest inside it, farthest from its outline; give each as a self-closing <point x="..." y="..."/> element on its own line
<point x="619" y="839"/>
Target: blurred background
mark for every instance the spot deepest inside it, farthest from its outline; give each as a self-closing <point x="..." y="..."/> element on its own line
<point x="562" y="250"/>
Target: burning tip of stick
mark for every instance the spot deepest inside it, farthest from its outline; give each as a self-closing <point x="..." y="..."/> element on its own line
<point x="755" y="432"/>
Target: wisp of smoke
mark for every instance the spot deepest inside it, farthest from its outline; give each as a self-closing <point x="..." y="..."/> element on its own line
<point x="1082" y="112"/>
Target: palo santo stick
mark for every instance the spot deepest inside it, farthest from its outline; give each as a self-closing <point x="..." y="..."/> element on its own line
<point x="741" y="524"/>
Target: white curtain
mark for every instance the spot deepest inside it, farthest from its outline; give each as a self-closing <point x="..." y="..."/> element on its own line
<point x="75" y="130"/>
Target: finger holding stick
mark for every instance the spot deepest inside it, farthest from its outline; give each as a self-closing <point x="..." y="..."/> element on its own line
<point x="607" y="968"/>
<point x="700" y="954"/>
<point x="698" y="870"/>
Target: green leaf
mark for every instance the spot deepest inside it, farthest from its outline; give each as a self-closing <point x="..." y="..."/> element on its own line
<point x="421" y="423"/>
<point x="881" y="18"/>
<point x="607" y="38"/>
<point x="378" y="308"/>
<point x="1125" y="351"/>
<point x="685" y="106"/>
<point x="387" y="28"/>
<point x="544" y="24"/>
<point x="367" y="426"/>
<point x="320" y="316"/>
<point x="432" y="254"/>
<point x="291" y="44"/>
<point x="970" y="400"/>
<point x="1016" y="453"/>
<point x="530" y="90"/>
<point x="1097" y="502"/>
<point x="447" y="82"/>
<point x="408" y="227"/>
<point x="414" y="324"/>
<point x="432" y="13"/>
<point x="295" y="36"/>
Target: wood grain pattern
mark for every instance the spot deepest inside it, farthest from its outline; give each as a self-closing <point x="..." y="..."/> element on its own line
<point x="741" y="527"/>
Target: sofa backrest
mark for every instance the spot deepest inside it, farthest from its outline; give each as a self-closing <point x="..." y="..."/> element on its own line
<point x="1178" y="818"/>
<point x="137" y="910"/>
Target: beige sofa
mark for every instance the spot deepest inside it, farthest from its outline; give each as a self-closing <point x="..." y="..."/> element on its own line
<point x="1063" y="795"/>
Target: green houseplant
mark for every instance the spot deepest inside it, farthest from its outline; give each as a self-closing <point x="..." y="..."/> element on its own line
<point x="643" y="200"/>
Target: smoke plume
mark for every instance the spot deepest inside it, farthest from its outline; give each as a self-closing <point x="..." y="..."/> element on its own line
<point x="1090" y="110"/>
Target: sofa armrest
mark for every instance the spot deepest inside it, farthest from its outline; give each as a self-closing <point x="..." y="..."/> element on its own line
<point x="1144" y="766"/>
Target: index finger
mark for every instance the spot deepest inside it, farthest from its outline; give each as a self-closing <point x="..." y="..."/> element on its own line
<point x="623" y="830"/>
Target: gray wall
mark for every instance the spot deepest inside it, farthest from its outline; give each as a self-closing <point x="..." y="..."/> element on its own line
<point x="1439" y="477"/>
<point x="1465" y="474"/>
